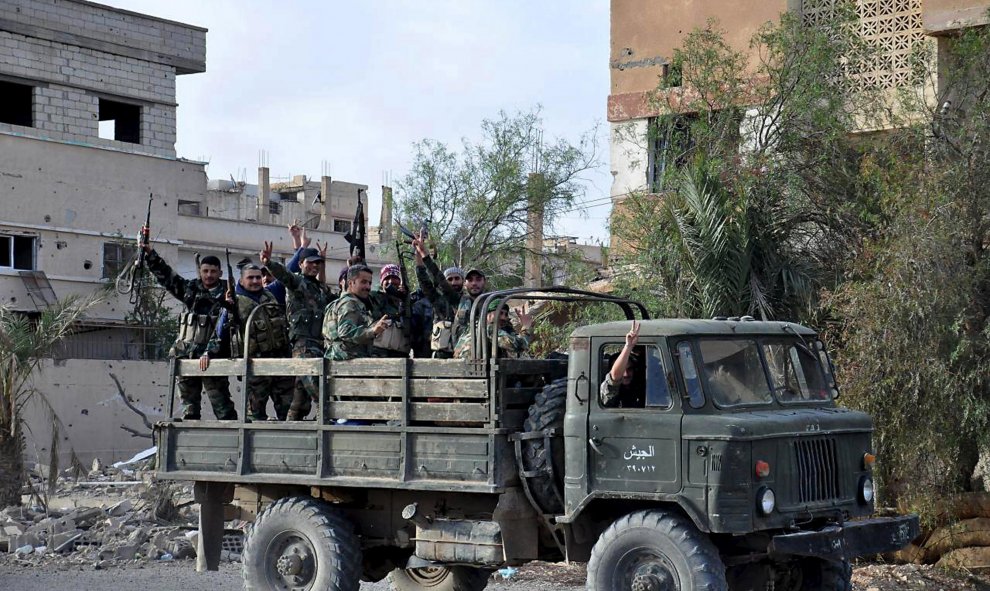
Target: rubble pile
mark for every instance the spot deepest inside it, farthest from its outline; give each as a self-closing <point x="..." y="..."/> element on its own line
<point x="115" y="515"/>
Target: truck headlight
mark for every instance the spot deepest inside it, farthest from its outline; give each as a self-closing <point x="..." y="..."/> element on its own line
<point x="766" y="500"/>
<point x="866" y="490"/>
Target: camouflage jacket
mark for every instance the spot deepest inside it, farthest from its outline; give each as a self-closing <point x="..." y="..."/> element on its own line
<point x="510" y="344"/>
<point x="347" y="332"/>
<point x="434" y="285"/>
<point x="197" y="324"/>
<point x="306" y="300"/>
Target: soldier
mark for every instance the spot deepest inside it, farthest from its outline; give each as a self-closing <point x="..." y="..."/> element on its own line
<point x="268" y="337"/>
<point x="445" y="292"/>
<point x="617" y="388"/>
<point x="348" y="327"/>
<point x="510" y="344"/>
<point x="196" y="325"/>
<point x="390" y="301"/>
<point x="307" y="298"/>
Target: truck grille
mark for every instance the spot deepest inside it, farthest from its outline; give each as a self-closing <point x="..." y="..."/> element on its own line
<point x="818" y="469"/>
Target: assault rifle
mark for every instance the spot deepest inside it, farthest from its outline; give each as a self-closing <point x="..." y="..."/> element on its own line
<point x="130" y="279"/>
<point x="407" y="303"/>
<point x="233" y="311"/>
<point x="356" y="236"/>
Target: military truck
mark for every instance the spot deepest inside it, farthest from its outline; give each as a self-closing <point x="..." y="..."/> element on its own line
<point x="730" y="467"/>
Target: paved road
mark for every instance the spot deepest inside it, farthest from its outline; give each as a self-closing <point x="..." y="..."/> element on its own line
<point x="182" y="576"/>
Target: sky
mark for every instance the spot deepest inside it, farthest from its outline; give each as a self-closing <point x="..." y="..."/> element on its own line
<point x="355" y="84"/>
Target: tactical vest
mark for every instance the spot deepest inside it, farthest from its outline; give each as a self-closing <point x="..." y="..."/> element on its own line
<point x="269" y="334"/>
<point x="393" y="338"/>
<point x="196" y="329"/>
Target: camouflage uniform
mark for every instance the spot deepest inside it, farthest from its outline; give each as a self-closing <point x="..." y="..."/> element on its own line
<point x="446" y="301"/>
<point x="347" y="329"/>
<point x="383" y="304"/>
<point x="196" y="328"/>
<point x="269" y="337"/>
<point x="307" y="297"/>
<point x="510" y="344"/>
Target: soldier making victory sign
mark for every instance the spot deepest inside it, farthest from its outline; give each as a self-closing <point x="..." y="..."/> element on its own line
<point x="307" y="297"/>
<point x="201" y="298"/>
<point x="445" y="292"/>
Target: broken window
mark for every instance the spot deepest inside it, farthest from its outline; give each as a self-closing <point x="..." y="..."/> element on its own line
<point x="17" y="252"/>
<point x="669" y="144"/>
<point x="120" y="121"/>
<point x="189" y="207"/>
<point x="16" y="102"/>
<point x="115" y="257"/>
<point x="275" y="207"/>
<point x="342" y="226"/>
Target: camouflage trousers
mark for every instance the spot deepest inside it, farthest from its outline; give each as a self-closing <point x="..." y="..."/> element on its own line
<point x="217" y="390"/>
<point x="307" y="390"/>
<point x="278" y="389"/>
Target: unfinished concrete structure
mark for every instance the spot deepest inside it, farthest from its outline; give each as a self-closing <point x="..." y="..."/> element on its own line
<point x="644" y="36"/>
<point x="87" y="132"/>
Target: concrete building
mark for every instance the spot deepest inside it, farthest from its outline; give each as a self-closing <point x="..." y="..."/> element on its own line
<point x="644" y="36"/>
<point x="87" y="132"/>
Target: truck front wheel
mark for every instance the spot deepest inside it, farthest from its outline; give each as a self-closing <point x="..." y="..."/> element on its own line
<point x="653" y="551"/>
<point x="301" y="543"/>
<point x="439" y="578"/>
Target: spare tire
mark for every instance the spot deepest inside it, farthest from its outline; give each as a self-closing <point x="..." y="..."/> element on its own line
<point x="547" y="412"/>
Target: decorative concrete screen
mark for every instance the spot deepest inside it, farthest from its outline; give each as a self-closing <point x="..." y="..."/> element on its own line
<point x="893" y="27"/>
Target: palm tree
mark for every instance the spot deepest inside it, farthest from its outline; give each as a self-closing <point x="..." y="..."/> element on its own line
<point x="711" y="247"/>
<point x="24" y="344"/>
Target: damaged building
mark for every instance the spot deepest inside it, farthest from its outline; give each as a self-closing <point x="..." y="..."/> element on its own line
<point x="644" y="36"/>
<point x="87" y="133"/>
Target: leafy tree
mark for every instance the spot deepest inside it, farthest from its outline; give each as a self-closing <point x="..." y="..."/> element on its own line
<point x="917" y="302"/>
<point x="24" y="344"/>
<point x="477" y="199"/>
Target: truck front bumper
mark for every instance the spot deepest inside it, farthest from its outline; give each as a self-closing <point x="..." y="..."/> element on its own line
<point x="849" y="540"/>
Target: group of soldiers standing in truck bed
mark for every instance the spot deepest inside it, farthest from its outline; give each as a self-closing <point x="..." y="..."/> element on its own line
<point x="293" y="312"/>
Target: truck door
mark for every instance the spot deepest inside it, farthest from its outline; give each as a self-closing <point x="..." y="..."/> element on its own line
<point x="634" y="440"/>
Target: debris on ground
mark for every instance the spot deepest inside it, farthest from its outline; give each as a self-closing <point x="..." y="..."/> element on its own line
<point x="113" y="515"/>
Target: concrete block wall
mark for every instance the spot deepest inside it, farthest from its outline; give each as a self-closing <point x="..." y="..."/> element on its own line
<point x="69" y="82"/>
<point x="175" y="42"/>
<point x="75" y="53"/>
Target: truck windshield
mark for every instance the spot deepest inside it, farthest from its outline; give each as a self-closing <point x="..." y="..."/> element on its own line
<point x="733" y="373"/>
<point x="795" y="372"/>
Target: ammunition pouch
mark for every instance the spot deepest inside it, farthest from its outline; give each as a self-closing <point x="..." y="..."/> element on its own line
<point x="196" y="329"/>
<point x="393" y="338"/>
<point x="269" y="334"/>
<point x="442" y="338"/>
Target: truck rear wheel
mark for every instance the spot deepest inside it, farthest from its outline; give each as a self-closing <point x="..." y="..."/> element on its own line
<point x="301" y="543"/>
<point x="439" y="578"/>
<point x="652" y="551"/>
<point x="545" y="413"/>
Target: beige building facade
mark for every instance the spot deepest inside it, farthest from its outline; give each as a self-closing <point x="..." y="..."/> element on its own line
<point x="644" y="36"/>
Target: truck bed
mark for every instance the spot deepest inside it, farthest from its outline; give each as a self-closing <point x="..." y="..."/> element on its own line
<point x="410" y="423"/>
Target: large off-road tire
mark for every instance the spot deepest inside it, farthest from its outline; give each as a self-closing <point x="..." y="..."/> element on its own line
<point x="452" y="578"/>
<point x="655" y="549"/>
<point x="300" y="543"/>
<point x="546" y="412"/>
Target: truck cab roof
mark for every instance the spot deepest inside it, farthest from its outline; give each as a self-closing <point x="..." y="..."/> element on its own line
<point x="692" y="327"/>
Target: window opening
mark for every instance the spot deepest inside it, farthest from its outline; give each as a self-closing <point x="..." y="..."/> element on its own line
<point x="115" y="258"/>
<point x="17" y="252"/>
<point x="16" y="104"/>
<point x="645" y="383"/>
<point x="342" y="226"/>
<point x="733" y="372"/>
<point x="120" y="121"/>
<point x="669" y="144"/>
<point x="795" y="372"/>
